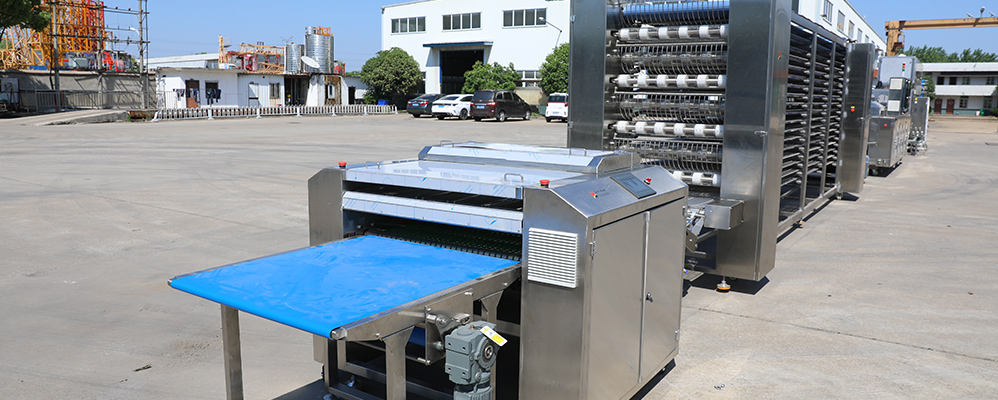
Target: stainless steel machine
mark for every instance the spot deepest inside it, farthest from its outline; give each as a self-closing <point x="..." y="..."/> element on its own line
<point x="902" y="126"/>
<point x="477" y="271"/>
<point x="756" y="108"/>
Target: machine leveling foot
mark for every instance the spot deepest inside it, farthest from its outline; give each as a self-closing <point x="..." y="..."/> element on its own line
<point x="723" y="286"/>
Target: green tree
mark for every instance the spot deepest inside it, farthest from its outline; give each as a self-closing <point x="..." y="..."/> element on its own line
<point x="490" y="76"/>
<point x="22" y="14"/>
<point x="391" y="73"/>
<point x="554" y="70"/>
<point x="977" y="55"/>
<point x="928" y="54"/>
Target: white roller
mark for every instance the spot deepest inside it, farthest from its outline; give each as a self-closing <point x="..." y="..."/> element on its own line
<point x="719" y="131"/>
<point x="704" y="31"/>
<point x="724" y="31"/>
<point x="639" y="127"/>
<point x="623" y="80"/>
<point x="698" y="130"/>
<point x="661" y="81"/>
<point x="698" y="178"/>
<point x="678" y="175"/>
<point x="660" y="128"/>
<point x="678" y="129"/>
<point x="722" y="81"/>
<point x="663" y="32"/>
<point x="625" y="33"/>
<point x="644" y="32"/>
<point x="702" y="81"/>
<point x="621" y="127"/>
<point x="684" y="32"/>
<point x="643" y="80"/>
<point x="681" y="80"/>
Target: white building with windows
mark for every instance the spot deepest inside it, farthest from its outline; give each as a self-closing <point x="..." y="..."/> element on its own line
<point x="963" y="88"/>
<point x="446" y="37"/>
<point x="841" y="17"/>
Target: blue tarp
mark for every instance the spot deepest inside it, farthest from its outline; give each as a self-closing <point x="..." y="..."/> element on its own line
<point x="322" y="288"/>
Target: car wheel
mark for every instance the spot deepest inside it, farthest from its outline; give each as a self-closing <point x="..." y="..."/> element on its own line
<point x="547" y="119"/>
<point x="478" y="119"/>
<point x="464" y="115"/>
<point x="501" y="117"/>
<point x="526" y="116"/>
<point x="441" y="117"/>
<point x="415" y="115"/>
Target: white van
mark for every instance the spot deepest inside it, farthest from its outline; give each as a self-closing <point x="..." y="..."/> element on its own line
<point x="557" y="107"/>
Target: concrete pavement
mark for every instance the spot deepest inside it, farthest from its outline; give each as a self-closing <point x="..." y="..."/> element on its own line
<point x="889" y="296"/>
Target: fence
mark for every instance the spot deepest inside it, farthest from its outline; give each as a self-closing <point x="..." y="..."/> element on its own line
<point x="259" y="112"/>
<point x="50" y="100"/>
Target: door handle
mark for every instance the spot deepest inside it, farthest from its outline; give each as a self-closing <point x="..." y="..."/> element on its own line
<point x="649" y="298"/>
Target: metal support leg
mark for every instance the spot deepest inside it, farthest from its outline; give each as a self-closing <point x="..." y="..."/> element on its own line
<point x="490" y="304"/>
<point x="395" y="364"/>
<point x="233" y="358"/>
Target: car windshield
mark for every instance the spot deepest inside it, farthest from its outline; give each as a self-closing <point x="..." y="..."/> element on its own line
<point x="466" y="98"/>
<point x="557" y="99"/>
<point x="484" y="95"/>
<point x="452" y="97"/>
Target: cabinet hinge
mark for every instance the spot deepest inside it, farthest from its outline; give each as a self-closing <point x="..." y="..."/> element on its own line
<point x="592" y="249"/>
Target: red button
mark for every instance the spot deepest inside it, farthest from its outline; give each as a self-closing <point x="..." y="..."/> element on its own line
<point x="343" y="164"/>
<point x="545" y="182"/>
<point x="648" y="181"/>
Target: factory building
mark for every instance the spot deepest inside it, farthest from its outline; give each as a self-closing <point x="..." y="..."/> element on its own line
<point x="447" y="37"/>
<point x="963" y="88"/>
<point x="841" y="17"/>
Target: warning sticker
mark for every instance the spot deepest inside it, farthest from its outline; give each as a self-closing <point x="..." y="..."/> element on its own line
<point x="494" y="336"/>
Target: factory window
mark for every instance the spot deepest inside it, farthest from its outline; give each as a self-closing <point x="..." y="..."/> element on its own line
<point x="965" y="80"/>
<point x="275" y="90"/>
<point x="827" y="13"/>
<point x="852" y="27"/>
<point x="529" y="78"/>
<point x="987" y="102"/>
<point x="460" y="22"/>
<point x="859" y="35"/>
<point x="842" y="22"/>
<point x="952" y="80"/>
<point x="963" y="101"/>
<point x="941" y="80"/>
<point x="409" y="25"/>
<point x="866" y="39"/>
<point x="532" y="17"/>
<point x="991" y="80"/>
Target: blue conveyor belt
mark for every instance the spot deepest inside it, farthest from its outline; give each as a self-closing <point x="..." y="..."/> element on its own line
<point x="691" y="12"/>
<point x="322" y="288"/>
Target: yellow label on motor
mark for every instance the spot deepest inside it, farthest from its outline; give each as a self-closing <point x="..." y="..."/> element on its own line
<point x="494" y="336"/>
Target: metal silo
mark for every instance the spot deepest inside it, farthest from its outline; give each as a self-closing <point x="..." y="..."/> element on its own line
<point x="320" y="48"/>
<point x="292" y="58"/>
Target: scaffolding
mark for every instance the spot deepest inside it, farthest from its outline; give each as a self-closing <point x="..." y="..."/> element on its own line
<point x="255" y="58"/>
<point x="77" y="28"/>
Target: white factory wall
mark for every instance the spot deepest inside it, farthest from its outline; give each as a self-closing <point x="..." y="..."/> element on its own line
<point x="247" y="82"/>
<point x="862" y="31"/>
<point x="525" y="46"/>
<point x="170" y="79"/>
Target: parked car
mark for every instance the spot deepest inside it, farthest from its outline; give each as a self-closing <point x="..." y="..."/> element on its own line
<point x="557" y="107"/>
<point x="498" y="104"/>
<point x="453" y="105"/>
<point x="422" y="104"/>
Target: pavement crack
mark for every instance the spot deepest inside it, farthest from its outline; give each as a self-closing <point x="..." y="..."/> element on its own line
<point x="852" y="335"/>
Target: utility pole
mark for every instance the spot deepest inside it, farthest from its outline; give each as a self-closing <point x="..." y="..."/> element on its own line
<point x="55" y="56"/>
<point x="143" y="68"/>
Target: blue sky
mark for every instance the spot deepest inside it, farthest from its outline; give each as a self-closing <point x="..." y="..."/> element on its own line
<point x="181" y="27"/>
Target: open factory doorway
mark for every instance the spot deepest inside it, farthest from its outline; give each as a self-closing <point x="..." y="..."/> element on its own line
<point x="453" y="65"/>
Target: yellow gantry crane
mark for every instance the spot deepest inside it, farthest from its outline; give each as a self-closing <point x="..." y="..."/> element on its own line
<point x="894" y="28"/>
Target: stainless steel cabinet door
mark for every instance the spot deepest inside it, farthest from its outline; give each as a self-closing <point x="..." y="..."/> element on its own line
<point x="663" y="287"/>
<point x="615" y="301"/>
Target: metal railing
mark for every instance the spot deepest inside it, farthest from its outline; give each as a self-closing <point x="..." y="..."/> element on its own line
<point x="167" y="114"/>
<point x="50" y="100"/>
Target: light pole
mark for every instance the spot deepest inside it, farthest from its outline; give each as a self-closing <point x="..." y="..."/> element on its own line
<point x="545" y="20"/>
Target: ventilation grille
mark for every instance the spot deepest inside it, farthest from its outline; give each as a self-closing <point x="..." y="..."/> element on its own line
<point x="552" y="257"/>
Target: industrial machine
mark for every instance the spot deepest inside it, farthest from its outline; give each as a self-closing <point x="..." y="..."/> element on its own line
<point x="476" y="271"/>
<point x="758" y="109"/>
<point x="899" y="94"/>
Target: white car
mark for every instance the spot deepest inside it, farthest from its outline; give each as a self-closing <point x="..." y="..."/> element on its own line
<point x="557" y="107"/>
<point x="453" y="105"/>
